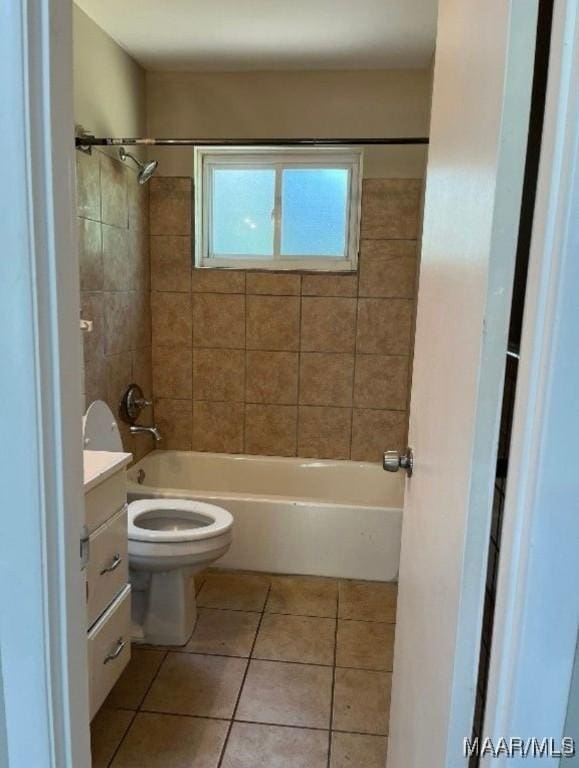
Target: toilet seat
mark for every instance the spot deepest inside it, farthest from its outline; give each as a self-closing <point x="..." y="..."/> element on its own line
<point x="166" y="521"/>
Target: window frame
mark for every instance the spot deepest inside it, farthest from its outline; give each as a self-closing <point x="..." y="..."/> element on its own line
<point x="278" y="158"/>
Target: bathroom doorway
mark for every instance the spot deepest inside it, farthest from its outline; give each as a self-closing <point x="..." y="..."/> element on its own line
<point x="466" y="269"/>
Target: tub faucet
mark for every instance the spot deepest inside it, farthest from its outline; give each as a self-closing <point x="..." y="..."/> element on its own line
<point x="137" y="429"/>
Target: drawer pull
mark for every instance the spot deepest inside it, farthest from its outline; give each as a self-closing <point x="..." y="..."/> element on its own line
<point x="115" y="562"/>
<point x="117" y="652"/>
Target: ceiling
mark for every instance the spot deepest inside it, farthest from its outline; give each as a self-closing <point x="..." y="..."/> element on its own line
<point x="222" y="35"/>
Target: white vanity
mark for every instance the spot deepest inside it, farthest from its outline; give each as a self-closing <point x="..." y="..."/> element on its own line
<point x="108" y="593"/>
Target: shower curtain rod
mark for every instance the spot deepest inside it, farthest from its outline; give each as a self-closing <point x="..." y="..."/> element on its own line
<point x="84" y="142"/>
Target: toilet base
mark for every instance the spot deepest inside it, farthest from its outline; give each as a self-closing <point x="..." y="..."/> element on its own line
<point x="164" y="608"/>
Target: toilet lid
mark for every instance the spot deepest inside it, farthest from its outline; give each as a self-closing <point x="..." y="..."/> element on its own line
<point x="100" y="429"/>
<point x="170" y="520"/>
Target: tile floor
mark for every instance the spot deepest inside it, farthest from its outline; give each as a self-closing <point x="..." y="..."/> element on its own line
<point x="280" y="672"/>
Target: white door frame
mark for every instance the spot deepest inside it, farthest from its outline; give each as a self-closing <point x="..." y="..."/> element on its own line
<point x="43" y="674"/>
<point x="537" y="604"/>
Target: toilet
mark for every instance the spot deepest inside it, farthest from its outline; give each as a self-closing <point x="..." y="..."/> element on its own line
<point x="169" y="540"/>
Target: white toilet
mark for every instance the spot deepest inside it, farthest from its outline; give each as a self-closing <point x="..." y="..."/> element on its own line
<point x="169" y="540"/>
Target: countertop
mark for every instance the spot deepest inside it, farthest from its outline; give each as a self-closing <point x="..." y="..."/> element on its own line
<point x="98" y="465"/>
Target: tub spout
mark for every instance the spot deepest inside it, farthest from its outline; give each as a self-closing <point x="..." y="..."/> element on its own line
<point x="137" y="429"/>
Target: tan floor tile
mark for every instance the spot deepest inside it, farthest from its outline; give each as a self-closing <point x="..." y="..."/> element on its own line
<point x="365" y="645"/>
<point x="286" y="694"/>
<point x="238" y="592"/>
<point x="270" y="746"/>
<point x="133" y="684"/>
<point x="106" y="731"/>
<point x="362" y="701"/>
<point x="191" y="684"/>
<point x="368" y="601"/>
<point x="296" y="638"/>
<point x="303" y="596"/>
<point x="166" y="741"/>
<point x="229" y="633"/>
<point x="352" y="750"/>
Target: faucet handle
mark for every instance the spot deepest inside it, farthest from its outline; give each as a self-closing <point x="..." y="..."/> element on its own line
<point x="142" y="402"/>
<point x="132" y="403"/>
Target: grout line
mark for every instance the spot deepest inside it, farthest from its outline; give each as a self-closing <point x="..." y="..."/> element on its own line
<point x="138" y="710"/>
<point x="334" y="675"/>
<point x="298" y="394"/>
<point x="241" y="687"/>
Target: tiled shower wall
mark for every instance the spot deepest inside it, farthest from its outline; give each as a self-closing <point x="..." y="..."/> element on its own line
<point x="113" y="234"/>
<point x="313" y="365"/>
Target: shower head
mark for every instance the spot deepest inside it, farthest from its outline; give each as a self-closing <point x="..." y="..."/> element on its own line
<point x="145" y="170"/>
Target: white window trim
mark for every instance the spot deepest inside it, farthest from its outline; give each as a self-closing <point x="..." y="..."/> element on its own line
<point x="206" y="158"/>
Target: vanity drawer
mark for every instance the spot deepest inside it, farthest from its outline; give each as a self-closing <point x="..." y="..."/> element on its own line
<point x="105" y="499"/>
<point x="109" y="649"/>
<point x="107" y="570"/>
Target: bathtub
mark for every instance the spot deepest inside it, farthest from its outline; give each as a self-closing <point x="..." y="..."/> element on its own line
<point x="298" y="516"/>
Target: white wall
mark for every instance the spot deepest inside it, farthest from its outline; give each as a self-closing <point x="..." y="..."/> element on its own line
<point x="292" y="104"/>
<point x="109" y="86"/>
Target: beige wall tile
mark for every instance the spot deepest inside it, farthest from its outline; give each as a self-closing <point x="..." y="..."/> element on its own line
<point x="95" y="379"/>
<point x="170" y="263"/>
<point x="273" y="322"/>
<point x="328" y="324"/>
<point x="172" y="372"/>
<point x="324" y="432"/>
<point x="272" y="377"/>
<point x="384" y="326"/>
<point x="118" y="275"/>
<point x="287" y="694"/>
<point x="218" y="281"/>
<point x="388" y="268"/>
<point x="119" y="321"/>
<point x="88" y="185"/>
<point x="270" y="430"/>
<point x="219" y="374"/>
<point x="374" y="432"/>
<point x="141" y="303"/>
<point x="270" y="746"/>
<point x="175" y="422"/>
<point x="159" y="741"/>
<point x="119" y="376"/>
<point x="390" y="209"/>
<point x="381" y="382"/>
<point x="352" y="749"/>
<point x="330" y="285"/>
<point x="170" y="206"/>
<point x="191" y="684"/>
<point x="273" y="284"/>
<point x="172" y="322"/>
<point x="92" y="307"/>
<point x="218" y="321"/>
<point x="114" y="192"/>
<point x="326" y="379"/>
<point x="218" y="427"/>
<point x="138" y="202"/>
<point x="90" y="255"/>
<point x="362" y="701"/>
<point x="143" y="372"/>
<point x="140" y="259"/>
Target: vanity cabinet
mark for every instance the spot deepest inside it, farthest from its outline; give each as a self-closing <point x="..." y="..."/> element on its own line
<point x="108" y="593"/>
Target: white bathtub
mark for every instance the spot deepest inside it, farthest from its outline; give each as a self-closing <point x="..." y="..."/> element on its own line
<point x="300" y="516"/>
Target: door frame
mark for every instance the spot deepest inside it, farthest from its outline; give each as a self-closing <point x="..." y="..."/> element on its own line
<point x="44" y="715"/>
<point x="537" y="602"/>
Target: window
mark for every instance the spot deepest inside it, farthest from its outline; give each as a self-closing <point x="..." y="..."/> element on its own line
<point x="277" y="209"/>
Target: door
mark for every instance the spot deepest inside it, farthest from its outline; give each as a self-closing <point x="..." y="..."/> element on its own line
<point x="480" y="112"/>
